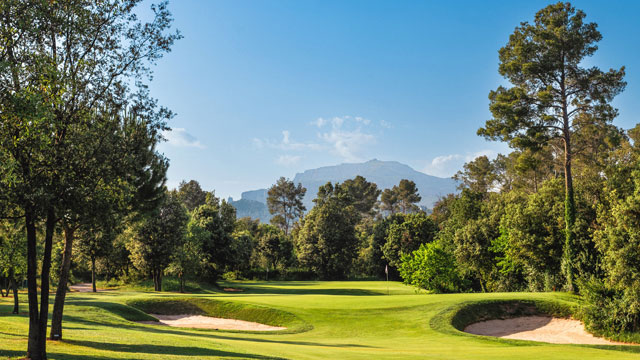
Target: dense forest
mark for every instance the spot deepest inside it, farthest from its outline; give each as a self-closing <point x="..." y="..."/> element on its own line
<point x="83" y="193"/>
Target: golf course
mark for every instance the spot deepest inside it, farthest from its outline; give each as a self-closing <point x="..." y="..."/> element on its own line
<point x="340" y="320"/>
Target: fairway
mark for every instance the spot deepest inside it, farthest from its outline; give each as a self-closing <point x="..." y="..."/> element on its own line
<point x="338" y="320"/>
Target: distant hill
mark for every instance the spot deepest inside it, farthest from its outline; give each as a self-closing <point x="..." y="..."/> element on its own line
<point x="385" y="174"/>
<point x="253" y="209"/>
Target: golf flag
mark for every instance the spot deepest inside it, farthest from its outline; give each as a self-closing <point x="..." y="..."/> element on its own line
<point x="386" y="269"/>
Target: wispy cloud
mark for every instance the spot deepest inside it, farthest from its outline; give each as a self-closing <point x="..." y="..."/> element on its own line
<point x="179" y="137"/>
<point x="448" y="165"/>
<point x="288" y="160"/>
<point x="344" y="136"/>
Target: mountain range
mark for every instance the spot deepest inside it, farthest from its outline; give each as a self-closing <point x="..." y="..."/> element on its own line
<point x="385" y="174"/>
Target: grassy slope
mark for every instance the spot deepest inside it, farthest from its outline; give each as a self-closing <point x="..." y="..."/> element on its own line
<point x="350" y="320"/>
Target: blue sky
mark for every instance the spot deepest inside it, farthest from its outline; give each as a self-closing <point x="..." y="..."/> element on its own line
<point x="264" y="89"/>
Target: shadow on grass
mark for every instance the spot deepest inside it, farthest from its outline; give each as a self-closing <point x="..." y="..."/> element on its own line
<point x="9" y="354"/>
<point x="208" y="334"/>
<point x="161" y="350"/>
<point x="299" y="288"/>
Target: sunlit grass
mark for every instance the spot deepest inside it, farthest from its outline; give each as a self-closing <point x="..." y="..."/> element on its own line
<point x="346" y="320"/>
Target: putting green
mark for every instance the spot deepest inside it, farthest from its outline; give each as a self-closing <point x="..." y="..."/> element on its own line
<point x="339" y="320"/>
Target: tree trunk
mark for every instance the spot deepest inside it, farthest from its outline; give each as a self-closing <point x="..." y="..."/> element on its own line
<point x="34" y="351"/>
<point x="37" y="345"/>
<point x="44" y="281"/>
<point x="159" y="280"/>
<point x="181" y="283"/>
<point x="93" y="273"/>
<point x="16" y="302"/>
<point x="61" y="292"/>
<point x="570" y="218"/>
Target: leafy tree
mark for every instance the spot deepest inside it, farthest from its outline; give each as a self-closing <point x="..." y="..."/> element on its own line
<point x="95" y="242"/>
<point x="534" y="228"/>
<point x="274" y="247"/>
<point x="285" y="202"/>
<point x="613" y="301"/>
<point x="401" y="198"/>
<point x="187" y="259"/>
<point x="389" y="201"/>
<point x="479" y="175"/>
<point x="213" y="225"/>
<point x="430" y="268"/>
<point x="408" y="196"/>
<point x="469" y="232"/>
<point x="242" y="246"/>
<point x="191" y="194"/>
<point x="550" y="92"/>
<point x="372" y="255"/>
<point x="61" y="62"/>
<point x="364" y="194"/>
<point x="326" y="239"/>
<point x="406" y="236"/>
<point x="13" y="264"/>
<point x="158" y="237"/>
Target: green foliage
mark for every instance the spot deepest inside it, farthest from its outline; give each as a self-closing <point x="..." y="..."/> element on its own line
<point x="479" y="175"/>
<point x="284" y="200"/>
<point x="403" y="237"/>
<point x="553" y="97"/>
<point x="157" y="238"/>
<point x="325" y="240"/>
<point x="400" y="198"/>
<point x="191" y="194"/>
<point x="430" y="268"/>
<point x="274" y="248"/>
<point x="609" y="310"/>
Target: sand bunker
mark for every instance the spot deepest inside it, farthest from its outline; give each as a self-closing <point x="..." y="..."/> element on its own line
<point x="539" y="328"/>
<point x="207" y="322"/>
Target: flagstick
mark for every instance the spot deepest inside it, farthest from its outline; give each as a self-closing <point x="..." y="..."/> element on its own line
<point x="386" y="270"/>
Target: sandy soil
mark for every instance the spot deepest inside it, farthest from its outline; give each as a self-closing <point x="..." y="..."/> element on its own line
<point x="206" y="322"/>
<point x="539" y="328"/>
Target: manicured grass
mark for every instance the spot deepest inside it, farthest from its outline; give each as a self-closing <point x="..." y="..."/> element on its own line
<point x="338" y="320"/>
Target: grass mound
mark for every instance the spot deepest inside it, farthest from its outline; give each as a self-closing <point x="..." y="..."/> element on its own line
<point x="222" y="309"/>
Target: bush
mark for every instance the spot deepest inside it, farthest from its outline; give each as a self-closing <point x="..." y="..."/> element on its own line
<point x="610" y="312"/>
<point x="431" y="268"/>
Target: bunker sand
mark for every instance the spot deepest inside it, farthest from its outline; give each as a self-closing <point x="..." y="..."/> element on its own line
<point x="207" y="322"/>
<point x="539" y="328"/>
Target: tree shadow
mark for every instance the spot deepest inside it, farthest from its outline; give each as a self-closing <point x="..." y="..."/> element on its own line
<point x="299" y="288"/>
<point x="205" y="333"/>
<point x="10" y="354"/>
<point x="163" y="350"/>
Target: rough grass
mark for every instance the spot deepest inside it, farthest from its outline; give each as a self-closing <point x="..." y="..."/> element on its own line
<point x="350" y="320"/>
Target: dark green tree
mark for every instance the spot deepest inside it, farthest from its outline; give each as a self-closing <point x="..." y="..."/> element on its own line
<point x="213" y="225"/>
<point x="478" y="175"/>
<point x="285" y="202"/>
<point x="191" y="194"/>
<point x="63" y="61"/>
<point x="326" y="240"/>
<point x="274" y="247"/>
<point x="158" y="237"/>
<point x="364" y="194"/>
<point x="551" y="89"/>
<point x="406" y="236"/>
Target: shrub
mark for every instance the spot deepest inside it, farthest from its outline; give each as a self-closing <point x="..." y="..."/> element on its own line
<point x="431" y="268"/>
